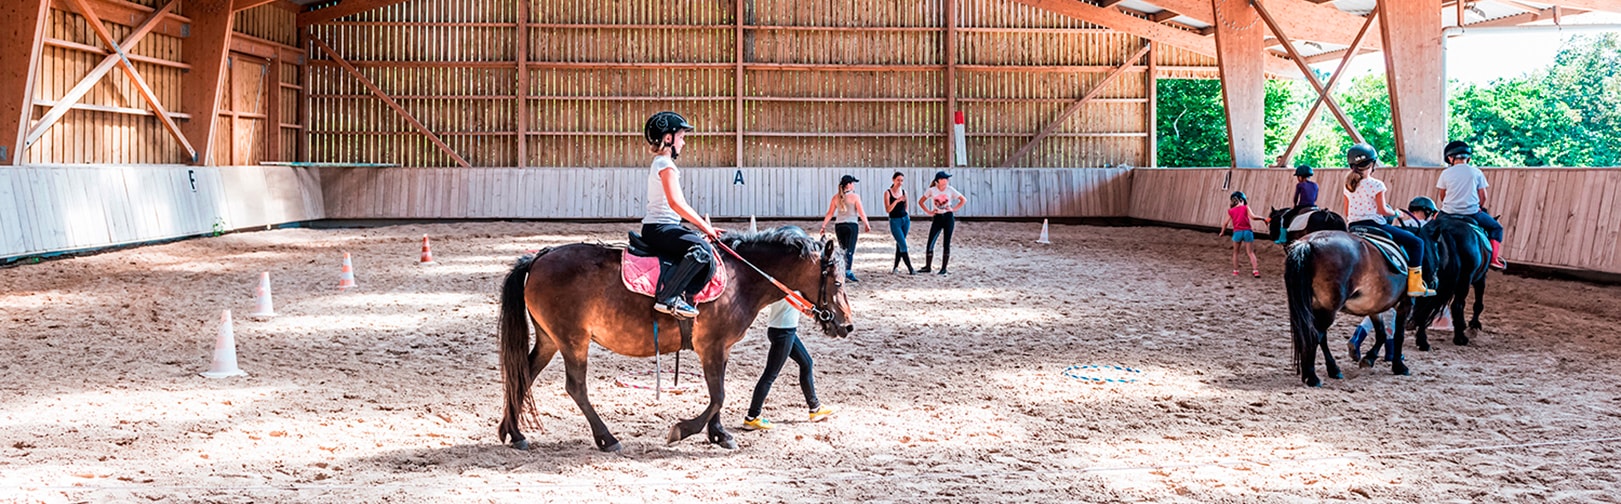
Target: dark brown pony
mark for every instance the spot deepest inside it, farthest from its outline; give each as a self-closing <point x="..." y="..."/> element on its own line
<point x="1333" y="271"/>
<point x="574" y="296"/>
<point x="1459" y="253"/>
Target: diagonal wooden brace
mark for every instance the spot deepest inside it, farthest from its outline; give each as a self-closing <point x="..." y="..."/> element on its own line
<point x="1075" y="106"/>
<point x="388" y="101"/>
<point x="1294" y="55"/>
<point x="77" y="92"/>
<point x="1289" y="154"/>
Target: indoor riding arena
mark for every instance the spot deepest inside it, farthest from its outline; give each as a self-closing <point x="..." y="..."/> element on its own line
<point x="264" y="250"/>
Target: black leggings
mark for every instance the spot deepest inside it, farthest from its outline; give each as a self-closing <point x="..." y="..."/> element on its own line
<point x="673" y="242"/>
<point x="942" y="223"/>
<point x="784" y="345"/>
<point x="847" y="232"/>
<point x="1408" y="241"/>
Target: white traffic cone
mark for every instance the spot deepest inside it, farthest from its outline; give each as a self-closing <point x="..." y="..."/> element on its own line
<point x="753" y="226"/>
<point x="224" y="365"/>
<point x="346" y="279"/>
<point x="1043" y="240"/>
<point x="262" y="305"/>
<point x="427" y="253"/>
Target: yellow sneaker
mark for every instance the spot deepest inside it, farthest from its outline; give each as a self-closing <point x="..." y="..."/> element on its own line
<point x="758" y="424"/>
<point x="821" y="414"/>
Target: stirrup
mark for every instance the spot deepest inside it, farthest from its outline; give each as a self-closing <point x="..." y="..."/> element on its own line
<point x="676" y="307"/>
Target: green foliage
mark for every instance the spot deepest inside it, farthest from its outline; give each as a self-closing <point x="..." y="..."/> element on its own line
<point x="1568" y="114"/>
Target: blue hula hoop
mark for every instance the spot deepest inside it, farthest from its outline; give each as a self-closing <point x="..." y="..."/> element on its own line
<point x="1076" y="373"/>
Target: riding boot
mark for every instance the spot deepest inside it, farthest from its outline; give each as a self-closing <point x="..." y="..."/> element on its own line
<point x="928" y="262"/>
<point x="896" y="268"/>
<point x="1415" y="283"/>
<point x="1497" y="255"/>
<point x="907" y="258"/>
<point x="670" y="298"/>
<point x="945" y="257"/>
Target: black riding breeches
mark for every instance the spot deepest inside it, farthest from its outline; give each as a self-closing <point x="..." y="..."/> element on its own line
<point x="676" y="243"/>
<point x="942" y="223"/>
<point x="1408" y="241"/>
<point x="785" y="345"/>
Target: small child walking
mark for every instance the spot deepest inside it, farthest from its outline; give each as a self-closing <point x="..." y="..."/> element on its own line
<point x="1239" y="217"/>
<point x="782" y="329"/>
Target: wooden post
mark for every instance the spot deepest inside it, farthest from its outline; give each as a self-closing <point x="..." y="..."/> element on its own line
<point x="1151" y="114"/>
<point x="273" y="117"/>
<point x="25" y="31"/>
<point x="1322" y="93"/>
<point x="950" y="55"/>
<point x="205" y="51"/>
<point x="1239" y="53"/>
<point x="1413" y="69"/>
<point x="737" y="84"/>
<point x="522" y="94"/>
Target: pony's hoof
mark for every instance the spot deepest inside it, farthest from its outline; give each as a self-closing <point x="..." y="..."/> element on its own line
<point x="520" y="444"/>
<point x="674" y="436"/>
<point x="1423" y="347"/>
<point x="1460" y="340"/>
<point x="1400" y="369"/>
<point x="1313" y="382"/>
<point x="1336" y="375"/>
<point x="727" y="443"/>
<point x="613" y="448"/>
<point x="1365" y="363"/>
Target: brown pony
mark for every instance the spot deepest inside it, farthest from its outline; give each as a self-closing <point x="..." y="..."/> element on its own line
<point x="1334" y="271"/>
<point x="573" y="295"/>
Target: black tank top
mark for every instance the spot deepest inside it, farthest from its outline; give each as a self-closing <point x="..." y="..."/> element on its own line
<point x="900" y="208"/>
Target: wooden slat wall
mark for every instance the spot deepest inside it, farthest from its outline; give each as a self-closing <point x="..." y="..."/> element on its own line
<point x="123" y="131"/>
<point x="1564" y="217"/>
<point x="597" y="70"/>
<point x="620" y="193"/>
<point x="48" y="208"/>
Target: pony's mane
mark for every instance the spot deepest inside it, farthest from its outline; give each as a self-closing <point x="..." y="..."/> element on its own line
<point x="791" y="238"/>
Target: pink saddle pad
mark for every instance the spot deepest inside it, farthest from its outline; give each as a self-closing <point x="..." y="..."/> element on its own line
<point x="641" y="275"/>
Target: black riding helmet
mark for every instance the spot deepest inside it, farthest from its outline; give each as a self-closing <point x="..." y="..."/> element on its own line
<point x="1303" y="171"/>
<point x="1361" y="154"/>
<point x="664" y="123"/>
<point x="1458" y="148"/>
<point x="1423" y="203"/>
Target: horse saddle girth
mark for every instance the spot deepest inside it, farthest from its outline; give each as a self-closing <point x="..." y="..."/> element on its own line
<point x="1395" y="257"/>
<point x="640" y="269"/>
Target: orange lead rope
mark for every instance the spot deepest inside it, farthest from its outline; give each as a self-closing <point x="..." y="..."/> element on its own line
<point x="793" y="297"/>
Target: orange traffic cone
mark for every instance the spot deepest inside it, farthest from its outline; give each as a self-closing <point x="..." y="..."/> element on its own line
<point x="347" y="279"/>
<point x="1043" y="239"/>
<point x="427" y="253"/>
<point x="262" y="304"/>
<point x="224" y="362"/>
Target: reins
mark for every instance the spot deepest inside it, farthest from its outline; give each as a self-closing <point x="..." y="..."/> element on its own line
<point x="794" y="298"/>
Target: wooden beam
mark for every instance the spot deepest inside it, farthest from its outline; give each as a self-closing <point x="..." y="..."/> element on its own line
<point x="242" y="5"/>
<point x="273" y="117"/>
<point x="1339" y="71"/>
<point x="1114" y="19"/>
<point x="1243" y="80"/>
<point x="125" y="13"/>
<point x="1523" y="18"/>
<point x="950" y="55"/>
<point x="522" y="105"/>
<point x="1323" y="95"/>
<point x="737" y="82"/>
<point x="89" y="81"/>
<point x="1108" y="3"/>
<point x="206" y="51"/>
<point x="1047" y="130"/>
<point x="1162" y="16"/>
<point x="389" y="101"/>
<point x="75" y="46"/>
<point x="141" y="87"/>
<point x="1413" y="67"/>
<point x="1151" y="92"/>
<point x="1595" y="5"/>
<point x="343" y="8"/>
<point x="1305" y="20"/>
<point x="24" y="32"/>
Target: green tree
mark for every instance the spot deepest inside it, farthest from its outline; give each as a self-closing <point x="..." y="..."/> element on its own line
<point x="1193" y="123"/>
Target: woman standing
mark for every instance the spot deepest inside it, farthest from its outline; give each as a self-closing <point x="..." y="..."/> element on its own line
<point x="843" y="211"/>
<point x="942" y="202"/>
<point x="1365" y="206"/>
<point x="900" y="222"/>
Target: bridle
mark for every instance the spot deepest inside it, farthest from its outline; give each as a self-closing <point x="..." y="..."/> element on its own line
<point x="795" y="299"/>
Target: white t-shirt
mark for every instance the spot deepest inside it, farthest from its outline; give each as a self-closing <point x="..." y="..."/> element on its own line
<point x="1463" y="183"/>
<point x="1363" y="206"/>
<point x="781" y="315"/>
<point x="658" y="208"/>
<point x="940" y="201"/>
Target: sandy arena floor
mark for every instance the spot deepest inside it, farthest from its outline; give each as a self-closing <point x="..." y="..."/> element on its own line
<point x="951" y="388"/>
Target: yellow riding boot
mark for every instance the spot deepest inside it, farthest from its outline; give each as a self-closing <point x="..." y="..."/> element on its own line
<point x="1415" y="283"/>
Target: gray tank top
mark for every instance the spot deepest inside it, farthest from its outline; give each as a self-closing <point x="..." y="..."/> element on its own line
<point x="845" y="212"/>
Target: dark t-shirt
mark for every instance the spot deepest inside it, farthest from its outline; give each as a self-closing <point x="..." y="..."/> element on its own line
<point x="900" y="208"/>
<point x="1306" y="194"/>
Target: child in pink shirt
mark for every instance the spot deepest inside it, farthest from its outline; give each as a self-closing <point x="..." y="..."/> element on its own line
<point x="1239" y="216"/>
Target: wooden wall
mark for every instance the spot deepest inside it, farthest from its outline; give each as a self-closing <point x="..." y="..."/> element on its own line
<point x="774" y="83"/>
<point x="1563" y="217"/>
<point x="620" y="193"/>
<point x="112" y="124"/>
<point x="48" y="208"/>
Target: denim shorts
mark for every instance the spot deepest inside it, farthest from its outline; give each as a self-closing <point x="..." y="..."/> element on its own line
<point x="1244" y="236"/>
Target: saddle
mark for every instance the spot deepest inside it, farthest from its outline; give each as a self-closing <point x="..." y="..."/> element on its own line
<point x="642" y="271"/>
<point x="1395" y="257"/>
<point x="1480" y="232"/>
<point x="1301" y="220"/>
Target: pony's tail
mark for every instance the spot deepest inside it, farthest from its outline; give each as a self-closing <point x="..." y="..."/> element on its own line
<point x="1297" y="278"/>
<point x="513" y="331"/>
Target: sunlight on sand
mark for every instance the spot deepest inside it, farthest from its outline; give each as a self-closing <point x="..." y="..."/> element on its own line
<point x="40" y="299"/>
<point x="338" y="323"/>
<point x="417" y="299"/>
<point x="124" y="406"/>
